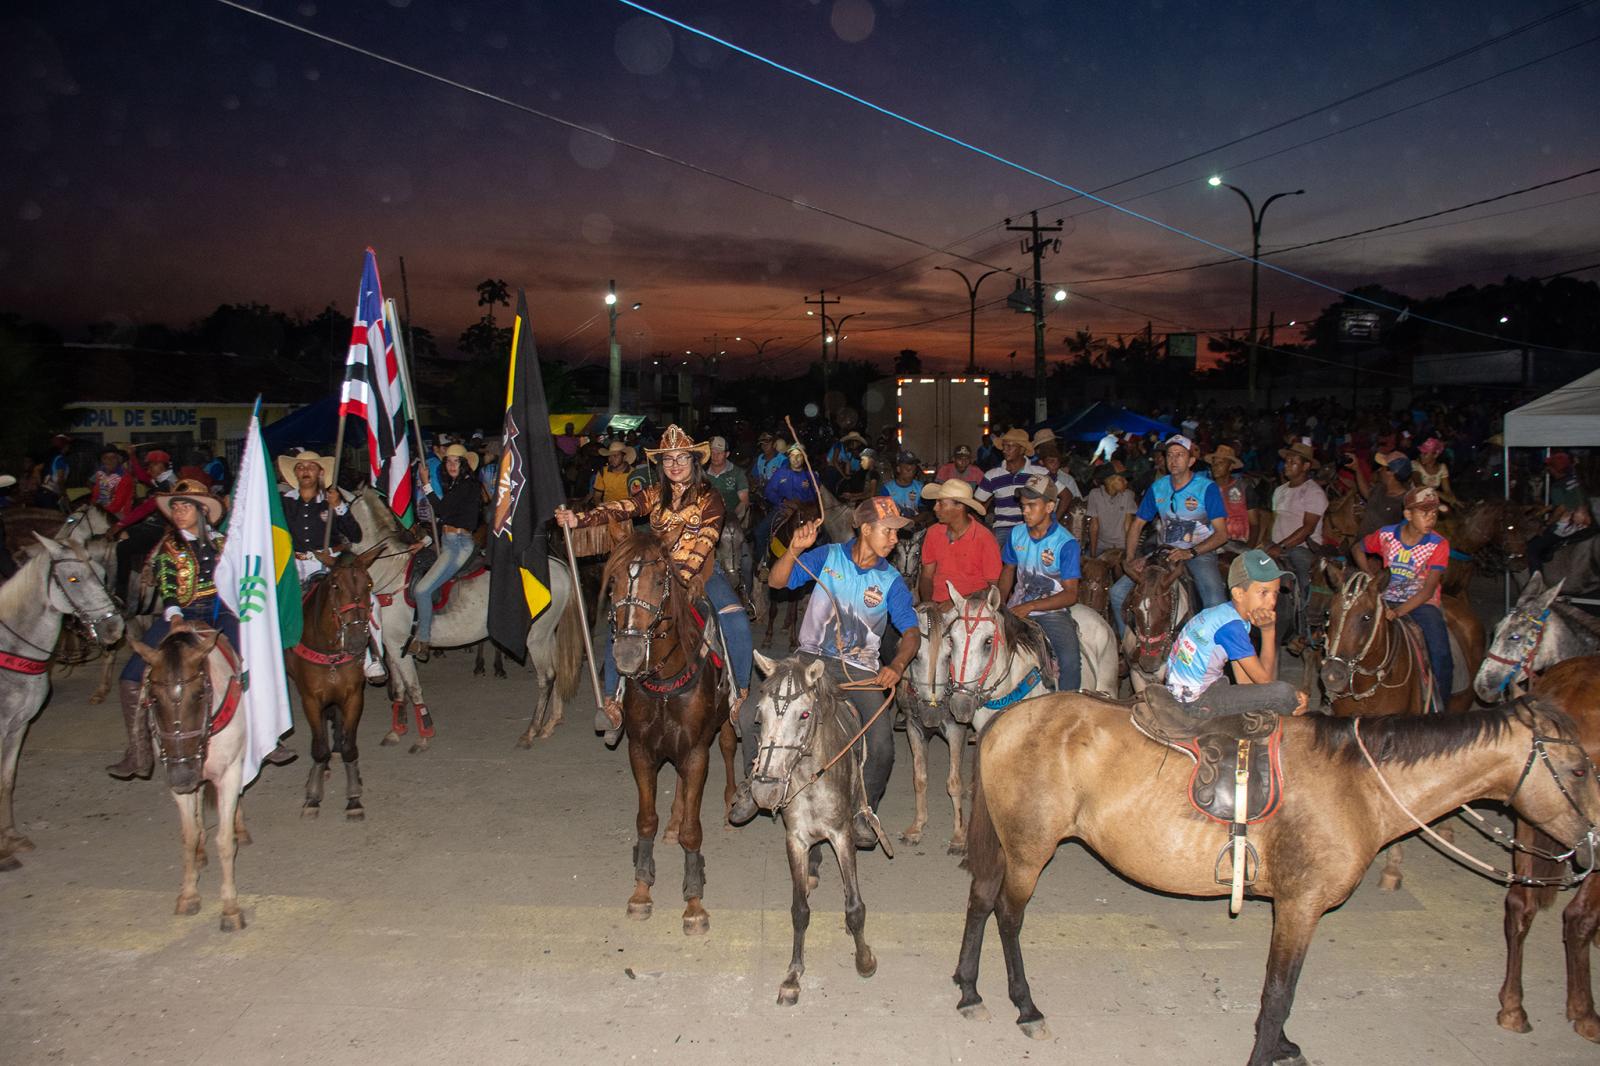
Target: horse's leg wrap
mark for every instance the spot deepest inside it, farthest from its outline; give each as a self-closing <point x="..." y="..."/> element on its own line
<point x="424" y="721"/>
<point x="397" y="718"/>
<point x="694" y="875"/>
<point x="644" y="861"/>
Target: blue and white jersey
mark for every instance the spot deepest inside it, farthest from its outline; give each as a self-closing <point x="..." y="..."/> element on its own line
<point x="906" y="497"/>
<point x="847" y="621"/>
<point x="765" y="467"/>
<point x="1043" y="565"/>
<point x="1209" y="641"/>
<point x="1185" y="515"/>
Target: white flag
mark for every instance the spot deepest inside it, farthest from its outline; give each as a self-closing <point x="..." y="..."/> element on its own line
<point x="248" y="577"/>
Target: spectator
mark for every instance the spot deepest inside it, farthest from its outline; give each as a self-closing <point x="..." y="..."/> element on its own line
<point x="1112" y="505"/>
<point x="961" y="466"/>
<point x="999" y="486"/>
<point x="1297" y="509"/>
<point x="729" y="481"/>
<point x="959" y="550"/>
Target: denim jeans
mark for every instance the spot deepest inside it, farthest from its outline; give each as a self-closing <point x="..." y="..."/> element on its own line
<point x="735" y="630"/>
<point x="212" y="614"/>
<point x="1062" y="633"/>
<point x="1436" y="635"/>
<point x="1207" y="582"/>
<point x="454" y="550"/>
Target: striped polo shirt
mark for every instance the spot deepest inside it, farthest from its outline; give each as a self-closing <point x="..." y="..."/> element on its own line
<point x="999" y="490"/>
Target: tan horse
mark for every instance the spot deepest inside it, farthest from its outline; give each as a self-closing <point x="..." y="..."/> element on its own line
<point x="1073" y="766"/>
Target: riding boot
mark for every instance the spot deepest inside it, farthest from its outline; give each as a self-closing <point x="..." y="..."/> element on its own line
<point x="861" y="829"/>
<point x="419" y="650"/>
<point x="282" y="755"/>
<point x="138" y="759"/>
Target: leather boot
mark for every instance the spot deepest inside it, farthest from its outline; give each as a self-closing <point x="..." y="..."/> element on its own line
<point x="138" y="759"/>
<point x="744" y="805"/>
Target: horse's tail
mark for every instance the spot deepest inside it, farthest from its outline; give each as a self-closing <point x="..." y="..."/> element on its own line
<point x="569" y="644"/>
<point x="984" y="860"/>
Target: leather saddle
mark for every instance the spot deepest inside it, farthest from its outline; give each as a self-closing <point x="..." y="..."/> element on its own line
<point x="1218" y="746"/>
<point x="474" y="567"/>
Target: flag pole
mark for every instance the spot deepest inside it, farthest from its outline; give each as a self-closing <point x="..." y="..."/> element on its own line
<point x="338" y="454"/>
<point x="583" y="619"/>
<point x="403" y="360"/>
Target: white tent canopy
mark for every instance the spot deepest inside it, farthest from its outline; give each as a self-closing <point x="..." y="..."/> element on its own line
<point x="1569" y="417"/>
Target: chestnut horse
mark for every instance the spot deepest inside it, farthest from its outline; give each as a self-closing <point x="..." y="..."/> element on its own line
<point x="1491" y="535"/>
<point x="1153" y="614"/>
<point x="326" y="670"/>
<point x="674" y="705"/>
<point x="1070" y="765"/>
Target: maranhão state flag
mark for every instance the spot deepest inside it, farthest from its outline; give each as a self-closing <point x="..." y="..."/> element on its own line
<point x="257" y="579"/>
<point x="374" y="390"/>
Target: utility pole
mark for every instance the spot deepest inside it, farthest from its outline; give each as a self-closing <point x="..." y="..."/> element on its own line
<point x="822" y="303"/>
<point x="1035" y="245"/>
<point x="716" y="352"/>
<point x="760" y="346"/>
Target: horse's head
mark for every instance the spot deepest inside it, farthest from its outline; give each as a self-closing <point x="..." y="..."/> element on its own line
<point x="1508" y="667"/>
<point x="1519" y="524"/>
<point x="974" y="650"/>
<point x="792" y="694"/>
<point x="907" y="554"/>
<point x="925" y="681"/>
<point x="345" y="606"/>
<point x="178" y="679"/>
<point x="638" y="579"/>
<point x="77" y="588"/>
<point x="1151" y="613"/>
<point x="1557" y="790"/>
<point x="1342" y="521"/>
<point x="1354" y="622"/>
<point x="1077" y="519"/>
<point x="1327" y="574"/>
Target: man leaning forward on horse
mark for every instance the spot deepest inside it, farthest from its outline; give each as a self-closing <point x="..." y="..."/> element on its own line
<point x="844" y="628"/>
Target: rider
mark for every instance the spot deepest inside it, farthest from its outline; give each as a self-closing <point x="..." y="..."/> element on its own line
<point x="184" y="565"/>
<point x="1297" y="509"/>
<point x="999" y="486"/>
<point x="111" y="487"/>
<point x="960" y="466"/>
<point x="1221" y="634"/>
<point x="686" y="514"/>
<point x="1039" y="579"/>
<point x="1237" y="498"/>
<point x="1415" y="557"/>
<point x="457" y="501"/>
<point x="730" y="481"/>
<point x="1193" y="523"/>
<point x="960" y="549"/>
<point x="769" y="461"/>
<point x="611" y="481"/>
<point x="905" y="488"/>
<point x="53" y="489"/>
<point x="788" y="487"/>
<point x="844" y="629"/>
<point x="142" y="527"/>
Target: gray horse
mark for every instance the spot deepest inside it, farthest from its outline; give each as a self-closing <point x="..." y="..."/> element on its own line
<point x="804" y="721"/>
<point x="57" y="581"/>
<point x="924" y="697"/>
<point x="1542" y="629"/>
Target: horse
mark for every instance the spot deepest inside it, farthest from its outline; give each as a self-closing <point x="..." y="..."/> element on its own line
<point x="674" y="705"/>
<point x="58" y="581"/>
<point x="1377" y="666"/>
<point x="765" y="598"/>
<point x="1074" y="766"/>
<point x="923" y="696"/>
<point x="906" y="557"/>
<point x="730" y="558"/>
<point x="555" y="639"/>
<point x="1569" y="685"/>
<point x="193" y="692"/>
<point x="1493" y="534"/>
<point x="1153" y="616"/>
<point x="1542" y="630"/>
<point x="805" y="723"/>
<point x="1578" y="565"/>
<point x="326" y="670"/>
<point x="1341" y="522"/>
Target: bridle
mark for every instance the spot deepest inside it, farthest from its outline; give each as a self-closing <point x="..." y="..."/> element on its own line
<point x="1353" y="590"/>
<point x="979" y="687"/>
<point x="91" y="622"/>
<point x="790" y="692"/>
<point x="346" y="616"/>
<point x="1154" y="646"/>
<point x="1524" y="665"/>
<point x="178" y="735"/>
<point x="654" y="610"/>
<point x="931" y="646"/>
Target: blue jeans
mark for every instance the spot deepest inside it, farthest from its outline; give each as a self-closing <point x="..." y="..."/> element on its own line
<point x="1062" y="633"/>
<point x="1436" y="635"/>
<point x="454" y="550"/>
<point x="1207" y="582"/>
<point x="212" y="614"/>
<point x="735" y="630"/>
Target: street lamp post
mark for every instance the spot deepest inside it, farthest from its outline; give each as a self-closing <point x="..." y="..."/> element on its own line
<point x="972" y="314"/>
<point x="760" y="346"/>
<point x="614" y="399"/>
<point x="827" y="323"/>
<point x="1255" y="262"/>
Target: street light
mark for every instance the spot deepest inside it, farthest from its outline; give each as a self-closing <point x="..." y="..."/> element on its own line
<point x="760" y="346"/>
<point x="1255" y="260"/>
<point x="1061" y="296"/>
<point x="614" y="400"/>
<point x="838" y="334"/>
<point x="972" y="313"/>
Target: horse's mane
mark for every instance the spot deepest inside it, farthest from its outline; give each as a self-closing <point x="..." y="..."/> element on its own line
<point x="1022" y="635"/>
<point x="1404" y="740"/>
<point x="1577" y="618"/>
<point x="645" y="547"/>
<point x="172" y="647"/>
<point x="24" y="587"/>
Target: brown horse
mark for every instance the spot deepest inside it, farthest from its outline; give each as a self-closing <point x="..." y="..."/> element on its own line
<point x="326" y="670"/>
<point x="1495" y="532"/>
<point x="673" y="706"/>
<point x="1070" y="765"/>
<point x="1569" y="685"/>
<point x="1374" y="666"/>
<point x="1154" y="614"/>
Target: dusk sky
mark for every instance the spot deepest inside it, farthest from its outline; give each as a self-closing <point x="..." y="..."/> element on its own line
<point x="163" y="158"/>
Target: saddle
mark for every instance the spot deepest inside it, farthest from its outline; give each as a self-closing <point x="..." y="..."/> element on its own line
<point x="474" y="567"/>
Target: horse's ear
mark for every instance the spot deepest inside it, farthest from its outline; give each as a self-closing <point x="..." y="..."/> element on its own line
<point x="142" y="650"/>
<point x="1170" y="575"/>
<point x="991" y="598"/>
<point x="1336" y="570"/>
<point x="56" y="549"/>
<point x="326" y="558"/>
<point x="1550" y="595"/>
<point x="764" y="664"/>
<point x="210" y="642"/>
<point x="1383" y="582"/>
<point x="814" y="671"/>
<point x="956" y="598"/>
<point x="370" y="556"/>
<point x="1535" y="585"/>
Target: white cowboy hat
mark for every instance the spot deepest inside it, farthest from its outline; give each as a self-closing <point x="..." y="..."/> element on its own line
<point x="957" y="489"/>
<point x="287" y="463"/>
<point x="6" y="481"/>
<point x="629" y="455"/>
<point x="456" y="451"/>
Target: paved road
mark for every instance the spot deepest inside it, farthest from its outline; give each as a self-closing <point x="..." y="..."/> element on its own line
<point x="477" y="916"/>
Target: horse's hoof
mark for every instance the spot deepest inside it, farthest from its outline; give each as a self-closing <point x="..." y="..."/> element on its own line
<point x="499" y="673"/>
<point x="696" y="924"/>
<point x="356" y="814"/>
<point x="17" y="842"/>
<point x="974" y="1012"/>
<point x="420" y="746"/>
<point x="310" y="810"/>
<point x="525" y="741"/>
<point x="868" y="966"/>
<point x="911" y="838"/>
<point x="390" y="739"/>
<point x="1514" y="1020"/>
<point x="187" y="907"/>
<point x="97" y="698"/>
<point x="788" y="995"/>
<point x="1389" y="882"/>
<point x="242" y="837"/>
<point x="1292" y="1060"/>
<point x="1588" y="1027"/>
<point x="1035" y="1030"/>
<point x="640" y="912"/>
<point x="478" y="671"/>
<point x="9" y="862"/>
<point x="232" y="923"/>
<point x="957" y="847"/>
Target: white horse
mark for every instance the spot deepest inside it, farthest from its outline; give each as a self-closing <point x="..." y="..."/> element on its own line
<point x="555" y="640"/>
<point x="924" y="697"/>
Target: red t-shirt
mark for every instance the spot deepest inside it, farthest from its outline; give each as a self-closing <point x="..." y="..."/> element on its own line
<point x="970" y="562"/>
<point x="973" y="475"/>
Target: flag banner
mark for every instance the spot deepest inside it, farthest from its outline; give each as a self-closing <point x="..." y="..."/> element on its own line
<point x="373" y="391"/>
<point x="527" y="492"/>
<point x="256" y="578"/>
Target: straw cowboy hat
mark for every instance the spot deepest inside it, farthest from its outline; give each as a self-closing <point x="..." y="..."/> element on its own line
<point x="1045" y="436"/>
<point x="6" y="481"/>
<point x="1014" y="436"/>
<point x="287" y="463"/>
<point x="628" y="453"/>
<point x="195" y="493"/>
<point x="676" y="440"/>
<point x="957" y="489"/>
<point x="1300" y="448"/>
<point x="457" y="451"/>
<point x="1225" y="452"/>
<point x="852" y="435"/>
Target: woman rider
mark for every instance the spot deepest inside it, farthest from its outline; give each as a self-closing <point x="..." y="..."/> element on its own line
<point x="457" y="500"/>
<point x="686" y="514"/>
<point x="185" y="563"/>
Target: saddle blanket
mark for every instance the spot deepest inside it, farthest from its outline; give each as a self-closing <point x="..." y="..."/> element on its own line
<point x="1215" y="748"/>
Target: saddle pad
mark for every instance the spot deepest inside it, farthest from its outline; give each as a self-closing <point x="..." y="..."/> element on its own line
<point x="474" y="569"/>
<point x="1212" y="786"/>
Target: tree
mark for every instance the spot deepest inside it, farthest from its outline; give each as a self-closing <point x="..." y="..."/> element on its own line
<point x="493" y="292"/>
<point x="908" y="362"/>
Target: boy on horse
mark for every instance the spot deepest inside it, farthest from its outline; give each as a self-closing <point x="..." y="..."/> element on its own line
<point x="1039" y="576"/>
<point x="1416" y="558"/>
<point x="844" y="629"/>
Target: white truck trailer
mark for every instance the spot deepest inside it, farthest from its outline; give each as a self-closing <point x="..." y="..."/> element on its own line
<point x="934" y="415"/>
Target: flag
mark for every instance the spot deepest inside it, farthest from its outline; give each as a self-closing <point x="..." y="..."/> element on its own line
<point x="374" y="392"/>
<point x="257" y="579"/>
<point x="527" y="492"/>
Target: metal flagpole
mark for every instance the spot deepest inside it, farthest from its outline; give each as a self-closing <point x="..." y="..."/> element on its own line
<point x="338" y="453"/>
<point x="583" y="619"/>
<point x="403" y="360"/>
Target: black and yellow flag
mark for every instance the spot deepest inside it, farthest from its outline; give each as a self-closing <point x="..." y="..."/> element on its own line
<point x="527" y="492"/>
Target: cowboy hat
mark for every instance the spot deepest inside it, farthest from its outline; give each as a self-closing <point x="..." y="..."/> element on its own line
<point x="456" y="451"/>
<point x="1014" y="435"/>
<point x="629" y="454"/>
<point x="880" y="511"/>
<point x="676" y="440"/>
<point x="1225" y="452"/>
<point x="957" y="489"/>
<point x="1300" y="448"/>
<point x="1423" y="498"/>
<point x="852" y="435"/>
<point x="6" y="481"/>
<point x="194" y="492"/>
<point x="287" y="463"/>
<point x="1045" y="436"/>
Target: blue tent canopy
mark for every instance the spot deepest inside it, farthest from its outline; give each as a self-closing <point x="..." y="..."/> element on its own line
<point x="1091" y="423"/>
<point x="313" y="426"/>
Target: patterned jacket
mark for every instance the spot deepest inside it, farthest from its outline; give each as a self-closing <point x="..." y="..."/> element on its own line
<point x="184" y="571"/>
<point x="690" y="532"/>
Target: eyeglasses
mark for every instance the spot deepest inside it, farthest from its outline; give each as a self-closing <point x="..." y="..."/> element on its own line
<point x="675" y="458"/>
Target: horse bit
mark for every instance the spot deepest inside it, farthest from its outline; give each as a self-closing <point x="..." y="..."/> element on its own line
<point x="652" y="610"/>
<point x="1357" y="585"/>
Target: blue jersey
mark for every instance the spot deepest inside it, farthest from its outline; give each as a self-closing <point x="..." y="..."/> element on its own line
<point x="790" y="484"/>
<point x="1185" y="514"/>
<point x="847" y="621"/>
<point x="1209" y="641"/>
<point x="906" y="497"/>
<point x="1043" y="565"/>
<point x="764" y="468"/>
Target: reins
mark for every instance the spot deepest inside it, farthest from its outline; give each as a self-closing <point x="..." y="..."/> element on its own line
<point x="1353" y="590"/>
